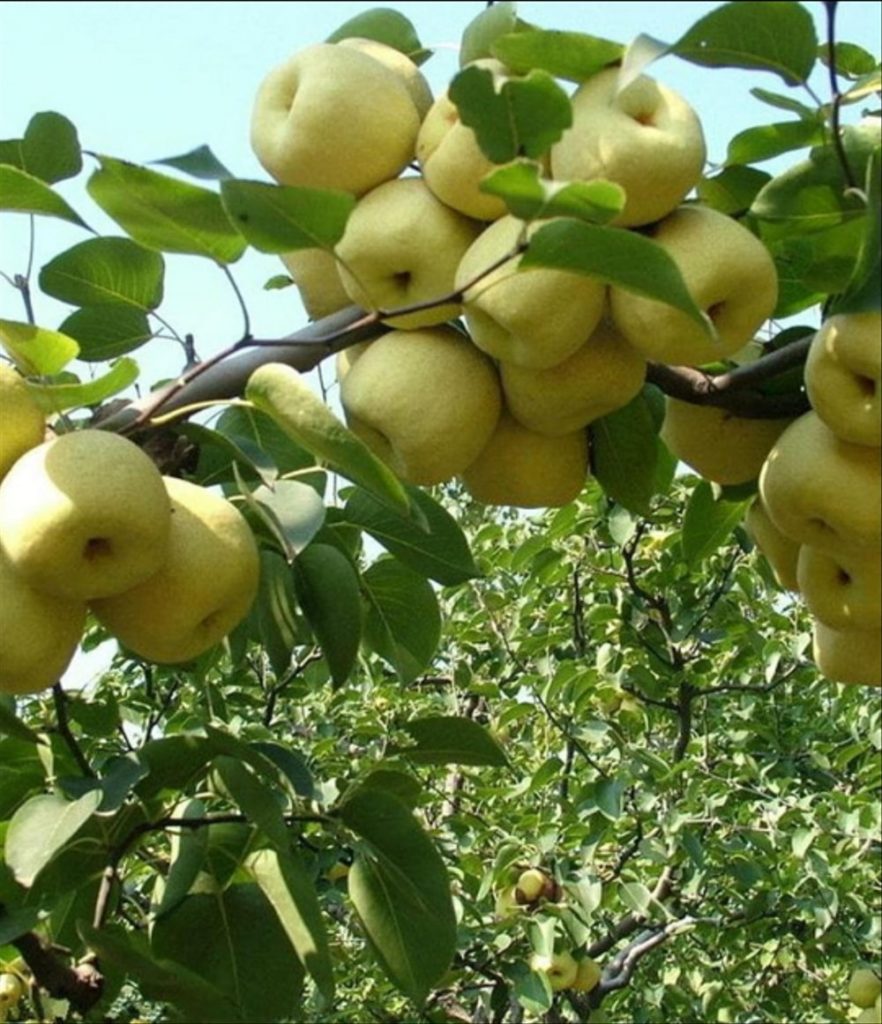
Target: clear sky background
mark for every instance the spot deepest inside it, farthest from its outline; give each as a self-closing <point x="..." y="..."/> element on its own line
<point x="143" y="81"/>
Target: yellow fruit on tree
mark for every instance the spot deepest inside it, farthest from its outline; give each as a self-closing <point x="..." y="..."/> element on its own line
<point x="529" y="470"/>
<point x="425" y="401"/>
<point x="644" y="137"/>
<point x="600" y="377"/>
<point x="204" y="589"/>
<point x="22" y="423"/>
<point x="843" y="376"/>
<point x="561" y="969"/>
<point x="848" y="655"/>
<point x="84" y="515"/>
<point x="730" y="276"/>
<point x="718" y="445"/>
<point x="843" y="590"/>
<point x="317" y="277"/>
<point x="864" y="987"/>
<point x="588" y="977"/>
<point x="779" y="550"/>
<point x="531" y="885"/>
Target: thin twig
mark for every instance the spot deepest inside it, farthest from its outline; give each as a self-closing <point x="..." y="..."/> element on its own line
<point x="836" y="108"/>
<point x="60" y="699"/>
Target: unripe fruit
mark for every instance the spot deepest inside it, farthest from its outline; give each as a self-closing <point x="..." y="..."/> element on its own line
<point x="11" y="990"/>
<point x="530" y="885"/>
<point x="588" y="976"/>
<point x="864" y="987"/>
<point x="561" y="969"/>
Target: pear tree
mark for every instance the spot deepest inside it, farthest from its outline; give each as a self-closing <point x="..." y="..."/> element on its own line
<point x="503" y="642"/>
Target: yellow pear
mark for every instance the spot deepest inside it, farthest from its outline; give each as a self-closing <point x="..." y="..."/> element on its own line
<point x="644" y="137"/>
<point x="204" y="589"/>
<point x="84" y="515"/>
<point x="848" y="655"/>
<point x="401" y="248"/>
<point x="561" y="969"/>
<point x="333" y="117"/>
<point x="534" y="318"/>
<point x="843" y="376"/>
<point x="22" y="423"/>
<point x="779" y="550"/>
<point x="451" y="160"/>
<point x="588" y="977"/>
<point x="718" y="445"/>
<point x="530" y="885"/>
<point x="414" y="80"/>
<point x="872" y="1015"/>
<point x="843" y="590"/>
<point x="600" y="377"/>
<point x="425" y="401"/>
<point x="821" y="491"/>
<point x="317" y="277"/>
<point x="728" y="272"/>
<point x="864" y="987"/>
<point x="522" y="468"/>
<point x="40" y="634"/>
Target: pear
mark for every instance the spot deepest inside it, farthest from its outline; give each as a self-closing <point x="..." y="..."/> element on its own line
<point x="821" y="491"/>
<point x="600" y="377"/>
<point x="843" y="376"/>
<point x="535" y="318"/>
<point x="728" y="272"/>
<point x="522" y="468"/>
<point x="451" y="160"/>
<point x="588" y="977"/>
<point x="413" y="79"/>
<point x="317" y="277"/>
<point x="84" y="515"/>
<point x="864" y="987"/>
<point x="843" y="590"/>
<point x="333" y="117"/>
<point x="718" y="445"/>
<point x="848" y="655"/>
<point x="402" y="247"/>
<point x="204" y="589"/>
<point x="425" y="401"/>
<point x="779" y="550"/>
<point x="22" y="423"/>
<point x="561" y="969"/>
<point x="530" y="885"/>
<point x="644" y="137"/>
<point x="40" y="634"/>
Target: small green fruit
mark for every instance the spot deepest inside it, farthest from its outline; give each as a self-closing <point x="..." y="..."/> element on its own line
<point x="864" y="987"/>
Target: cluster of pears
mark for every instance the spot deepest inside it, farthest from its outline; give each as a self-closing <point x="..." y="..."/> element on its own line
<point x="88" y="523"/>
<point x="818" y="517"/>
<point x="503" y="405"/>
<point x="562" y="968"/>
<point x="865" y="992"/>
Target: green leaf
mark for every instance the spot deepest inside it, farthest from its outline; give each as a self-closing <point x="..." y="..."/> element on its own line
<point x="813" y="195"/>
<point x="403" y="622"/>
<point x="733" y="190"/>
<point x="525" y="117"/>
<point x="198" y="163"/>
<point x="162" y="980"/>
<point x="188" y="849"/>
<point x="766" y="141"/>
<point x="404" y="787"/>
<point x="401" y="893"/>
<point x="164" y="213"/>
<point x="624" y="453"/>
<point x="254" y="797"/>
<point x="439" y="551"/>
<point x="863" y="293"/>
<point x="58" y="397"/>
<point x="485" y="29"/>
<point x="50" y="148"/>
<point x="385" y="25"/>
<point x="273" y="618"/>
<point x="105" y="270"/>
<point x="774" y="99"/>
<point x="21" y="192"/>
<point x="328" y="591"/>
<point x="11" y="725"/>
<point x="280" y="218"/>
<point x="107" y="331"/>
<point x="41" y="828"/>
<point x="622" y="258"/>
<point x="764" y="35"/>
<point x="173" y="763"/>
<point x="636" y="896"/>
<point x="708" y="523"/>
<point x="852" y="61"/>
<point x="282" y="393"/>
<point x="446" y="739"/>
<point x="296" y="511"/>
<point x="529" y="197"/>
<point x="234" y="942"/>
<point x="283" y="880"/>
<point x="37" y="351"/>
<point x="571" y="55"/>
<point x="254" y="430"/>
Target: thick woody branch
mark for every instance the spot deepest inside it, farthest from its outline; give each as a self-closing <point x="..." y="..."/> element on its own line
<point x="81" y="985"/>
